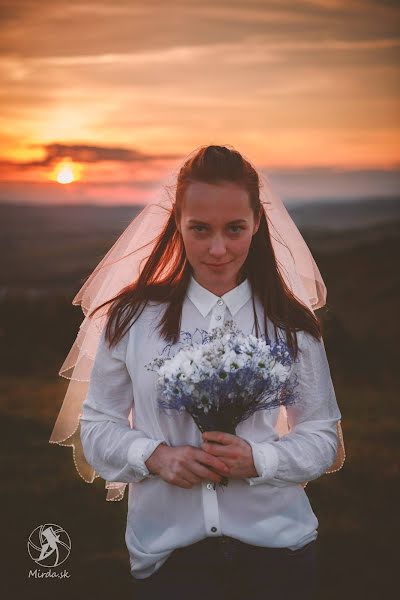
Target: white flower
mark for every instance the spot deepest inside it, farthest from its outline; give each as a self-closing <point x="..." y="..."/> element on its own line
<point x="281" y="372"/>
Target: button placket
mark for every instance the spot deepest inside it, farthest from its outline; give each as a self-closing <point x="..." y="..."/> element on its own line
<point x="217" y="315"/>
<point x="210" y="508"/>
<point x="210" y="498"/>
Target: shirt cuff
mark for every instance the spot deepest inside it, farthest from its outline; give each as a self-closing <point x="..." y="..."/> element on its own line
<point x="139" y="451"/>
<point x="266" y="461"/>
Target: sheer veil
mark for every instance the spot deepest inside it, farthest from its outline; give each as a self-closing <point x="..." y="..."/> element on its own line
<point x="122" y="265"/>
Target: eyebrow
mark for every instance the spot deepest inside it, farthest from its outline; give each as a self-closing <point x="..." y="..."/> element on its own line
<point x="230" y="222"/>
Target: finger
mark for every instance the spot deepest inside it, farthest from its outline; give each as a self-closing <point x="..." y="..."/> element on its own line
<point x="184" y="483"/>
<point x="212" y="461"/>
<point x="219" y="436"/>
<point x="189" y="476"/>
<point x="220" y="450"/>
<point x="205" y="472"/>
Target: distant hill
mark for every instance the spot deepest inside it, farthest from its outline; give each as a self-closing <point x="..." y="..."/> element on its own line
<point x="48" y="252"/>
<point x="54" y="247"/>
<point x="342" y="215"/>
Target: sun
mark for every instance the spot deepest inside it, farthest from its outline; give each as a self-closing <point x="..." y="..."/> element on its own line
<point x="66" y="172"/>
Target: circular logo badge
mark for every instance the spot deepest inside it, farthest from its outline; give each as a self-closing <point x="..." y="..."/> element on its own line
<point x="49" y="545"/>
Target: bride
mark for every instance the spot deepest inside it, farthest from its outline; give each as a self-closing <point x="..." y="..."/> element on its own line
<point x="214" y="251"/>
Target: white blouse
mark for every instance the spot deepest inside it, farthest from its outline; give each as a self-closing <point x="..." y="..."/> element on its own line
<point x="271" y="509"/>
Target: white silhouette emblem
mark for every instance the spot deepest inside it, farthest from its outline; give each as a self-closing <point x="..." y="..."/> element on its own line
<point x="49" y="545"/>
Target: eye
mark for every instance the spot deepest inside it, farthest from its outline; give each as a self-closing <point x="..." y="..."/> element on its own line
<point x="200" y="228"/>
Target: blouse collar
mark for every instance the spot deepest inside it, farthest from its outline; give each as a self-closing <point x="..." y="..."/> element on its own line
<point x="205" y="300"/>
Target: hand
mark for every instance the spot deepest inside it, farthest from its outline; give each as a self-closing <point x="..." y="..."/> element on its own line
<point x="233" y="450"/>
<point x="185" y="466"/>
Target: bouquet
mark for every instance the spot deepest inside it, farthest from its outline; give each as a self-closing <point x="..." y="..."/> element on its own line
<point x="224" y="380"/>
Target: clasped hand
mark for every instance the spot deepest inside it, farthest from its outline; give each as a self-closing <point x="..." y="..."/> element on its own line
<point x="220" y="454"/>
<point x="233" y="450"/>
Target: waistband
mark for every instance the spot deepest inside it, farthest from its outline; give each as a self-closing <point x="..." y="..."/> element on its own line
<point x="227" y="543"/>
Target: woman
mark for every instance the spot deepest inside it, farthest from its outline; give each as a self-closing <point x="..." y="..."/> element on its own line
<point x="186" y="536"/>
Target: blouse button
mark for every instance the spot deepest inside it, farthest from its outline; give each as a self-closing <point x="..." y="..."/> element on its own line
<point x="220" y="302"/>
<point x="214" y="529"/>
<point x="218" y="317"/>
<point x="209" y="486"/>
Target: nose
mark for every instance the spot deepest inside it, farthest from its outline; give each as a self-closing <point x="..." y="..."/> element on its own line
<point x="217" y="247"/>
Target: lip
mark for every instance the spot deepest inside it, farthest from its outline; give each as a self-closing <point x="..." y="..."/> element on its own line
<point x="217" y="265"/>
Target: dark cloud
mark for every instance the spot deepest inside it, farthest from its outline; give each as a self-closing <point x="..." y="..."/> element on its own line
<point x="84" y="153"/>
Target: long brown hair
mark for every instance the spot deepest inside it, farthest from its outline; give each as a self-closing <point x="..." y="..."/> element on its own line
<point x="210" y="164"/>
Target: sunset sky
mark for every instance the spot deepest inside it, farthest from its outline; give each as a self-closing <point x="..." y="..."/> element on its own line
<point x="112" y="94"/>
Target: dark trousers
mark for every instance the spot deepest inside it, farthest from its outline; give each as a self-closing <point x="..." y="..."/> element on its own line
<point x="224" y="568"/>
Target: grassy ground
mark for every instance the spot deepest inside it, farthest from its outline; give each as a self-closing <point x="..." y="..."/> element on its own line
<point x="355" y="506"/>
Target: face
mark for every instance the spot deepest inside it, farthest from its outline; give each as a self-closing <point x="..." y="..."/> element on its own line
<point x="217" y="225"/>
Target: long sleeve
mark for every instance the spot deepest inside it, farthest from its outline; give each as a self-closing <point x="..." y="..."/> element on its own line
<point x="115" y="450"/>
<point x="309" y="449"/>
